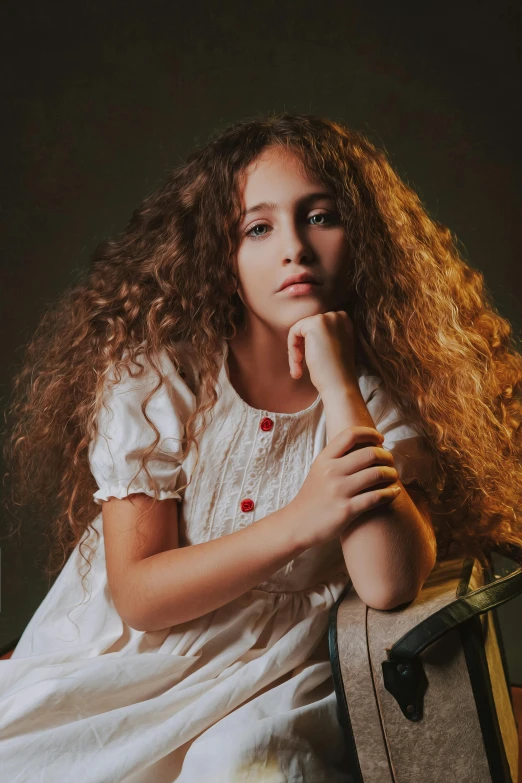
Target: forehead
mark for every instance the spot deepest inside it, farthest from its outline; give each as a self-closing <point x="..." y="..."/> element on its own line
<point x="275" y="170"/>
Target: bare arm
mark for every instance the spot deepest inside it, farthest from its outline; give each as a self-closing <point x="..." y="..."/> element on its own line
<point x="389" y="552"/>
<point x="156" y="584"/>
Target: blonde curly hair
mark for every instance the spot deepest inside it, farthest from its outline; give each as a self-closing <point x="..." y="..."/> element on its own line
<point x="423" y="319"/>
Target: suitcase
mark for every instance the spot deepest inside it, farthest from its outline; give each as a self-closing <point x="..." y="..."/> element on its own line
<point x="422" y="690"/>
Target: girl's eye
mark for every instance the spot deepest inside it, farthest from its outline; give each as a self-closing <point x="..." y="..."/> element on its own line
<point x="328" y="219"/>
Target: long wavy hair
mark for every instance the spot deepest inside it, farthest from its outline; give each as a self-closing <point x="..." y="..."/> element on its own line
<point x="423" y="318"/>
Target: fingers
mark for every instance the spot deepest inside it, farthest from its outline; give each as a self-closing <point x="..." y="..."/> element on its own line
<point x="374" y="477"/>
<point x="296" y="344"/>
<point x="365" y="501"/>
<point x="350" y="437"/>
<point x="295" y="360"/>
<point x="364" y="457"/>
<point x="295" y="354"/>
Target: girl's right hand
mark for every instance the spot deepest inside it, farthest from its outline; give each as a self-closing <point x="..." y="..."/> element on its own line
<point x="340" y="486"/>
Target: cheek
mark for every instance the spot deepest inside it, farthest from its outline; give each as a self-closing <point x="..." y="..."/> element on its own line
<point x="341" y="251"/>
<point x="253" y="282"/>
<point x="252" y="268"/>
<point x="340" y="240"/>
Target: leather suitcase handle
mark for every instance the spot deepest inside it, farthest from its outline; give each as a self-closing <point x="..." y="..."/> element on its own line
<point x="459" y="611"/>
<point x="403" y="672"/>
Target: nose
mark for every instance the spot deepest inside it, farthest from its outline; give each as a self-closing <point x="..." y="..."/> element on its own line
<point x="294" y="243"/>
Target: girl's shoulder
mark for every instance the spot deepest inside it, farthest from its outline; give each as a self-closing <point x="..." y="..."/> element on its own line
<point x="406" y="441"/>
<point x="135" y="373"/>
<point x="188" y="368"/>
<point x="144" y="411"/>
<point x="370" y="383"/>
<point x="162" y="388"/>
<point x="379" y="400"/>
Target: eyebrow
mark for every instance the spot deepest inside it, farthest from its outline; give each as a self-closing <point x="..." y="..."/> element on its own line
<point x="268" y="205"/>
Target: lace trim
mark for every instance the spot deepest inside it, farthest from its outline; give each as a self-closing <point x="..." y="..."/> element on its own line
<point x="119" y="490"/>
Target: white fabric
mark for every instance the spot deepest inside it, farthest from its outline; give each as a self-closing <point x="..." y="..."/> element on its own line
<point x="243" y="693"/>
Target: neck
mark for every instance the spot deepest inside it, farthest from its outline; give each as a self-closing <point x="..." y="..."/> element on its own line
<point x="259" y="371"/>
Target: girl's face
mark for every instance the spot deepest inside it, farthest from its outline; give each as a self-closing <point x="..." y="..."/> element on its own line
<point x="289" y="225"/>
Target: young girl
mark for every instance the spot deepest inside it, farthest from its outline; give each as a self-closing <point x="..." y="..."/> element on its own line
<point x="222" y="450"/>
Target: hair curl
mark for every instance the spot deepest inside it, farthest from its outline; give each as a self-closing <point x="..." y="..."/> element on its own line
<point x="423" y="318"/>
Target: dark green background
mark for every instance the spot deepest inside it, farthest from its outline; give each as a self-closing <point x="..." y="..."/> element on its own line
<point x="101" y="99"/>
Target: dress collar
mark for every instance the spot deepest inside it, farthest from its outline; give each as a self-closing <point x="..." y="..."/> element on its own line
<point x="232" y="394"/>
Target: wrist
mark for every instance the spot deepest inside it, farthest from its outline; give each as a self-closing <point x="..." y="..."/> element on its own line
<point x="345" y="407"/>
<point x="348" y="391"/>
<point x="289" y="525"/>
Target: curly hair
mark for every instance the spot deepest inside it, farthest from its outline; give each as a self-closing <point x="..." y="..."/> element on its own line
<point x="424" y="320"/>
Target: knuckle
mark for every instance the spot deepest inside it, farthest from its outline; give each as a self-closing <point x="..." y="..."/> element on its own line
<point x="381" y="473"/>
<point x="328" y="471"/>
<point x="352" y="437"/>
<point x="374" y="453"/>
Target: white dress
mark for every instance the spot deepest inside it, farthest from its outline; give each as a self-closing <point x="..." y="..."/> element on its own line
<point x="243" y="693"/>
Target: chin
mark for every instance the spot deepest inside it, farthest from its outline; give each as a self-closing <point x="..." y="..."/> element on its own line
<point x="307" y="306"/>
<point x="291" y="315"/>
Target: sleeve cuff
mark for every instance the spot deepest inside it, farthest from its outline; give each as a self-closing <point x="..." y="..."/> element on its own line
<point x="122" y="491"/>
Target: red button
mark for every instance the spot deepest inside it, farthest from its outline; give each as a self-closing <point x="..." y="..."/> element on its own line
<point x="266" y="424"/>
<point x="247" y="504"/>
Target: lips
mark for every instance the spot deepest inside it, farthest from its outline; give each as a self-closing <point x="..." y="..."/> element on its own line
<point x="296" y="279"/>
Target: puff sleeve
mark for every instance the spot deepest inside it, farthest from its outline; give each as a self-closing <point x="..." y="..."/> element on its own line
<point x="123" y="433"/>
<point x="411" y="457"/>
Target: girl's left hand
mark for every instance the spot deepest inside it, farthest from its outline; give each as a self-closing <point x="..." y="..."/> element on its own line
<point x="326" y="342"/>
